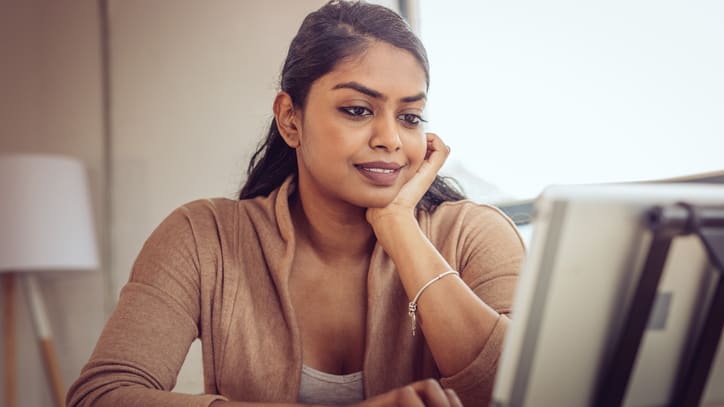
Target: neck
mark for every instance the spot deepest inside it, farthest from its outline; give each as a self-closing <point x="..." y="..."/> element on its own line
<point x="333" y="232"/>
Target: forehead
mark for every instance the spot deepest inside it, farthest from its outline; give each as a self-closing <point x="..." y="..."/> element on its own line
<point x="392" y="71"/>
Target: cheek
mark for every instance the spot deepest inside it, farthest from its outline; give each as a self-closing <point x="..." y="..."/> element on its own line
<point x="317" y="140"/>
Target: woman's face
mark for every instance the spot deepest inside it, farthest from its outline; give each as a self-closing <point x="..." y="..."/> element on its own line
<point x="361" y="135"/>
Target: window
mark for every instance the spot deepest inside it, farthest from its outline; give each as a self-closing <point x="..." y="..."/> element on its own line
<point x="533" y="93"/>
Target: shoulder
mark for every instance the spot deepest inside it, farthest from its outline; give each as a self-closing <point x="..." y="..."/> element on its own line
<point x="466" y="217"/>
<point x="183" y="226"/>
<point x="220" y="211"/>
<point x="206" y="207"/>
<point x="202" y="232"/>
<point x="467" y="207"/>
<point x="196" y="216"/>
<point x="483" y="244"/>
<point x="208" y="222"/>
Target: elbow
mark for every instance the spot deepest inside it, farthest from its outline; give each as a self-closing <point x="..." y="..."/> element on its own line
<point x="100" y="386"/>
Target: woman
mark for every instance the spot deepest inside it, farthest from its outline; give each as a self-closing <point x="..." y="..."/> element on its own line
<point x="347" y="273"/>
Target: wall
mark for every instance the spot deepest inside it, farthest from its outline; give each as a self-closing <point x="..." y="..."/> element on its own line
<point x="50" y="101"/>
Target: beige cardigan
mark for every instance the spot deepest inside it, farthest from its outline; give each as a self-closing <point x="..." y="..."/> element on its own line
<point x="219" y="269"/>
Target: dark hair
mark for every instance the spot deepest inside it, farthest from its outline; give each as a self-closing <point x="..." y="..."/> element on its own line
<point x="338" y="30"/>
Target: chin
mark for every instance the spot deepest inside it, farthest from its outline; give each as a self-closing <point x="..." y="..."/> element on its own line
<point x="378" y="199"/>
<point x="378" y="204"/>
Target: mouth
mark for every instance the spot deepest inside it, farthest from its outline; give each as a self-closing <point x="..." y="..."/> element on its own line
<point x="380" y="173"/>
<point x="379" y="170"/>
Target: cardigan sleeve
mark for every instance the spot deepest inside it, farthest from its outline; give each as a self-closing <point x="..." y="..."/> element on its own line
<point x="145" y="341"/>
<point x="490" y="253"/>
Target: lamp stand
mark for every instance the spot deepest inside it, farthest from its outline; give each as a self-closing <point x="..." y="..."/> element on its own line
<point x="8" y="280"/>
<point x="45" y="339"/>
<point x="42" y="331"/>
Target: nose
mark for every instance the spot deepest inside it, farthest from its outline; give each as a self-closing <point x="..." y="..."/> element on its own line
<point x="386" y="134"/>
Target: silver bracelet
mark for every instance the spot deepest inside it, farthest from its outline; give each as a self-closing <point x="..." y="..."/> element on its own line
<point x="412" y="307"/>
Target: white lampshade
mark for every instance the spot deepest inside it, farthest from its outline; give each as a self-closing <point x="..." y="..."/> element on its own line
<point x="45" y="214"/>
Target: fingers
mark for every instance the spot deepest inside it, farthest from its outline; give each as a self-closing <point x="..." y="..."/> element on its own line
<point x="436" y="145"/>
<point x="425" y="393"/>
<point x="453" y="398"/>
<point x="431" y="392"/>
<point x="409" y="397"/>
<point x="428" y="393"/>
<point x="437" y="153"/>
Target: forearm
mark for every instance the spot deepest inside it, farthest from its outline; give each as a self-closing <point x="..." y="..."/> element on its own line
<point x="446" y="309"/>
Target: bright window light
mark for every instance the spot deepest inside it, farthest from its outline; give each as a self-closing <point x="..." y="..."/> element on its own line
<point x="534" y="93"/>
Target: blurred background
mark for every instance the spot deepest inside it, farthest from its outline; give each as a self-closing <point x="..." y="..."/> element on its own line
<point x="164" y="101"/>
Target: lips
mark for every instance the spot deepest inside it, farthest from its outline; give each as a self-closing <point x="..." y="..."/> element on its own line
<point x="380" y="173"/>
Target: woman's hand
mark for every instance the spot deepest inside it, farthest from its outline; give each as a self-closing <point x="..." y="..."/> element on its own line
<point x="413" y="190"/>
<point x="425" y="393"/>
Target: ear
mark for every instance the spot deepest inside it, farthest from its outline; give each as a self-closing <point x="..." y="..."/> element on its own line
<point x="287" y="119"/>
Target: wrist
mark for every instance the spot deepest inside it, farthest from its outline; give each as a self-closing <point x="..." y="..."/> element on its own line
<point x="388" y="225"/>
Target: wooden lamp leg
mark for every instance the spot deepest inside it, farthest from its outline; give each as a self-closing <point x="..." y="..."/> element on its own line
<point x="10" y="387"/>
<point x="45" y="339"/>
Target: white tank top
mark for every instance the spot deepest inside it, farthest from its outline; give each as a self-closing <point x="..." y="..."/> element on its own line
<point x="324" y="388"/>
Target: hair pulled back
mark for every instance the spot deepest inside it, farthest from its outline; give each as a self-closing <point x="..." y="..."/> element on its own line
<point x="337" y="31"/>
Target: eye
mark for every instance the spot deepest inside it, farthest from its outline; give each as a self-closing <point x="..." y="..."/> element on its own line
<point x="356" y="111"/>
<point x="411" y="119"/>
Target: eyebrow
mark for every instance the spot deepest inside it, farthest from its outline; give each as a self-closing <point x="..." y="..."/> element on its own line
<point x="375" y="94"/>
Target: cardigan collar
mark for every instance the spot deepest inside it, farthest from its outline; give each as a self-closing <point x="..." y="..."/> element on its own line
<point x="386" y="308"/>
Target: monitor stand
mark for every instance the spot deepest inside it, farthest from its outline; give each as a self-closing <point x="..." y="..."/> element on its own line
<point x="666" y="224"/>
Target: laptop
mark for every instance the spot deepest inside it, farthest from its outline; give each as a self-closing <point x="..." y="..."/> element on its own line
<point x="586" y="255"/>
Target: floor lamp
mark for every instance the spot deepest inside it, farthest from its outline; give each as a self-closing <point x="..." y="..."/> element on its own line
<point x="45" y="226"/>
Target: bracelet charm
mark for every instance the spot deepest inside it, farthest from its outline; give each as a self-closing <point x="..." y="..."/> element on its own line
<point x="412" y="307"/>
